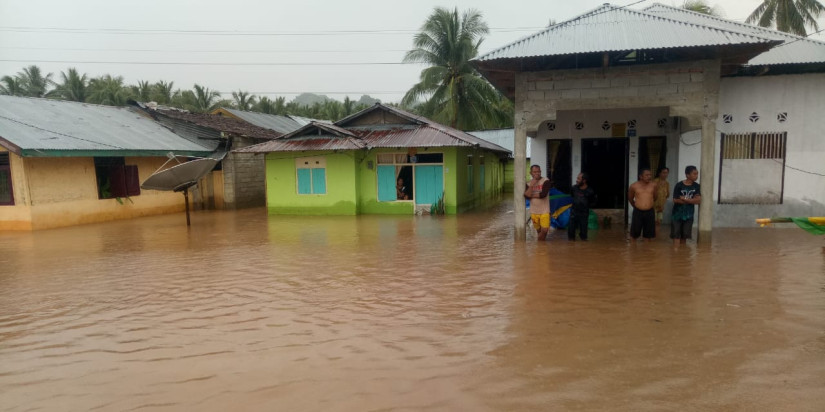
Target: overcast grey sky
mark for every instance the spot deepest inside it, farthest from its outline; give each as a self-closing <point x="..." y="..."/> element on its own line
<point x="267" y="47"/>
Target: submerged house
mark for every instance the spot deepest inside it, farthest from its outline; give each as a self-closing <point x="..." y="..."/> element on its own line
<point x="238" y="180"/>
<point x="381" y="160"/>
<point x="616" y="90"/>
<point x="66" y="163"/>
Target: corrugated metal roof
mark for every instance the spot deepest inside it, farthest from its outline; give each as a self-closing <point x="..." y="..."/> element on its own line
<point x="795" y="49"/>
<point x="420" y="132"/>
<point x="221" y="123"/>
<point x="502" y="137"/>
<point x="301" y="144"/>
<point x="280" y="124"/>
<point x="613" y="28"/>
<point x="43" y="127"/>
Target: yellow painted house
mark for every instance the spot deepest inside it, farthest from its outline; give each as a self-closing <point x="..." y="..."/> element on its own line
<point x="67" y="163"/>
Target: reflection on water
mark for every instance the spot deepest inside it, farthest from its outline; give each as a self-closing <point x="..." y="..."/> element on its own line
<point x="245" y="311"/>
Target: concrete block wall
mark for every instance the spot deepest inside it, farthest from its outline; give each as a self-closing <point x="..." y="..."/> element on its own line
<point x="245" y="180"/>
<point x="680" y="86"/>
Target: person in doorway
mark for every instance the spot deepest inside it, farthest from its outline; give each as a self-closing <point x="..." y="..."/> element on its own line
<point x="642" y="196"/>
<point x="686" y="193"/>
<point x="537" y="189"/>
<point x="401" y="190"/>
<point x="583" y="199"/>
<point x="662" y="193"/>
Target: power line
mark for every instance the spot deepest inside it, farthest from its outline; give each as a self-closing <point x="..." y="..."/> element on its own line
<point x="203" y="51"/>
<point x="67" y="30"/>
<point x="328" y="63"/>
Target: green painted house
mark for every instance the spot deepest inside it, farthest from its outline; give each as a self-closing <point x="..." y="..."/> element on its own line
<point x="381" y="160"/>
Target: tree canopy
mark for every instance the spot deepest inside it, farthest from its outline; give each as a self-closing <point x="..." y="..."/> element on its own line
<point x="790" y="16"/>
<point x="450" y="90"/>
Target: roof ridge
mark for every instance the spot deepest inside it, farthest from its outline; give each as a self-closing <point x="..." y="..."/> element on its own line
<point x="608" y="8"/>
<point x="721" y="19"/>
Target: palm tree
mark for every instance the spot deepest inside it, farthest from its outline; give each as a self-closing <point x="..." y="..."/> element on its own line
<point x="108" y="90"/>
<point x="790" y="16"/>
<point x="11" y="86"/>
<point x="73" y="86"/>
<point x="34" y="83"/>
<point x="700" y="6"/>
<point x="455" y="92"/>
<point x="243" y="100"/>
<point x="143" y="91"/>
<point x="205" y="99"/>
<point x="162" y="92"/>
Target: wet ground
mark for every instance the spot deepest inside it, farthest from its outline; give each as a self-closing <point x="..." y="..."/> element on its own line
<point x="245" y="311"/>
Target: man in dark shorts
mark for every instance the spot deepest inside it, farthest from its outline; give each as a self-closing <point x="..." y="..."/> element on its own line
<point x="583" y="199"/>
<point x="641" y="196"/>
<point x="685" y="194"/>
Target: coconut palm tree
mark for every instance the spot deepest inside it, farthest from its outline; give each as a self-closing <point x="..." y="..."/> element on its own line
<point x="454" y="92"/>
<point x="34" y="83"/>
<point x="11" y="86"/>
<point x="243" y="100"/>
<point x="142" y="91"/>
<point x="73" y="86"/>
<point x="700" y="6"/>
<point x="790" y="16"/>
<point x="205" y="100"/>
<point x="108" y="90"/>
<point x="162" y="92"/>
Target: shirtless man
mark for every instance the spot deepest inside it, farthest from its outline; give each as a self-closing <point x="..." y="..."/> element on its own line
<point x="642" y="196"/>
<point x="537" y="189"/>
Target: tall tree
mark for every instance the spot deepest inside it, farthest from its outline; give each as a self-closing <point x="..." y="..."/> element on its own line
<point x="205" y="99"/>
<point x="73" y="86"/>
<point x="34" y="82"/>
<point x="162" y="92"/>
<point x="108" y="90"/>
<point x="700" y="6"/>
<point x="790" y="16"/>
<point x="243" y="100"/>
<point x="142" y="91"/>
<point x="455" y="92"/>
<point x="11" y="86"/>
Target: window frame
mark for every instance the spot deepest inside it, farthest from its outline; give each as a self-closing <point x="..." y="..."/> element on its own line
<point x="124" y="180"/>
<point x="746" y="149"/>
<point x="315" y="165"/>
<point x="5" y="165"/>
<point x="399" y="160"/>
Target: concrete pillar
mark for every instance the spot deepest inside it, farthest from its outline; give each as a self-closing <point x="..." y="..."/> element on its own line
<point x="519" y="181"/>
<point x="707" y="165"/>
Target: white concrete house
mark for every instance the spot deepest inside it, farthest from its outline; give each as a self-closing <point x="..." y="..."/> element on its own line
<point x="618" y="90"/>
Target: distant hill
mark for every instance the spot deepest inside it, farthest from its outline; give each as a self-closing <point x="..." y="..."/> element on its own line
<point x="309" y="99"/>
<point x="367" y="100"/>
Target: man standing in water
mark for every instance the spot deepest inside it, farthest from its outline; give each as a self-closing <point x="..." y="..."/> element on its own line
<point x="583" y="199"/>
<point x="642" y="196"/>
<point x="537" y="189"/>
<point x="685" y="194"/>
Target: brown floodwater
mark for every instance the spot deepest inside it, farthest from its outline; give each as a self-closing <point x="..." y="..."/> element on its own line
<point x="245" y="311"/>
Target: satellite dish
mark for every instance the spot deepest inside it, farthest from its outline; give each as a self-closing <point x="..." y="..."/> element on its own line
<point x="180" y="177"/>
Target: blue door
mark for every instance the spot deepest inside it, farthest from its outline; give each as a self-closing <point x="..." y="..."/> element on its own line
<point x="429" y="184"/>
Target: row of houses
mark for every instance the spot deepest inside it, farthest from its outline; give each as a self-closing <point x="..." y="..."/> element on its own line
<point x="610" y="92"/>
<point x="66" y="163"/>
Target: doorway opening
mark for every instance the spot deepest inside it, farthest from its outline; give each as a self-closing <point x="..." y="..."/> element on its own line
<point x="559" y="163"/>
<point x="605" y="161"/>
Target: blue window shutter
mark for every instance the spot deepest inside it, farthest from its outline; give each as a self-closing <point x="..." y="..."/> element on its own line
<point x="386" y="184"/>
<point x="319" y="181"/>
<point x="481" y="178"/>
<point x="304" y="182"/>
